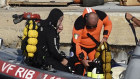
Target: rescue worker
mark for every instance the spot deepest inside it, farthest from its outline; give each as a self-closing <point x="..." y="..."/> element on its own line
<point x="86" y="36"/>
<point x="48" y="46"/>
<point x="134" y="19"/>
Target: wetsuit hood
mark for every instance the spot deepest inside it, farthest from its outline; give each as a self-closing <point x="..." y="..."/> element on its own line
<point x="54" y="16"/>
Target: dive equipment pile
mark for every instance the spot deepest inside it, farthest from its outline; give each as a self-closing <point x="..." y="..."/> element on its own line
<point x="30" y="33"/>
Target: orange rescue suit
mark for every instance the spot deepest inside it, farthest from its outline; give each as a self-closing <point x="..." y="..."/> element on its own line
<point x="80" y="38"/>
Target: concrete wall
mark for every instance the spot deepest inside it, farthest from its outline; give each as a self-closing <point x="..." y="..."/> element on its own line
<point x="2" y="3"/>
<point x="121" y="33"/>
<point x="42" y="0"/>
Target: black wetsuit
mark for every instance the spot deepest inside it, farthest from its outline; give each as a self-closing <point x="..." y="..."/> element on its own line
<point x="48" y="45"/>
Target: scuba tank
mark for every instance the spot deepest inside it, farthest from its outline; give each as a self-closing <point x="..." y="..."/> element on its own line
<point x="26" y="16"/>
<point x="30" y="34"/>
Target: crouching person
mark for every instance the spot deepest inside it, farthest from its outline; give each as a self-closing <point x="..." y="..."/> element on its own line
<point x="86" y="37"/>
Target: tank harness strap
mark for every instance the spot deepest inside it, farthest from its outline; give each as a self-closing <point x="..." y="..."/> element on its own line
<point x="94" y="40"/>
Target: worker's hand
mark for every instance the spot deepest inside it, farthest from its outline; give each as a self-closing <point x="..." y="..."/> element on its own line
<point x="129" y="16"/>
<point x="104" y="40"/>
<point x="64" y="62"/>
<point x="85" y="62"/>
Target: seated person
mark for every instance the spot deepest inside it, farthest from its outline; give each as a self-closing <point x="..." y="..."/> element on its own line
<point x="48" y="46"/>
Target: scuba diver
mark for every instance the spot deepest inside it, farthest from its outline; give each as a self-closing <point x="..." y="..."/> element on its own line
<point x="48" y="45"/>
<point x="134" y="19"/>
<point x="86" y="37"/>
<point x="40" y="42"/>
